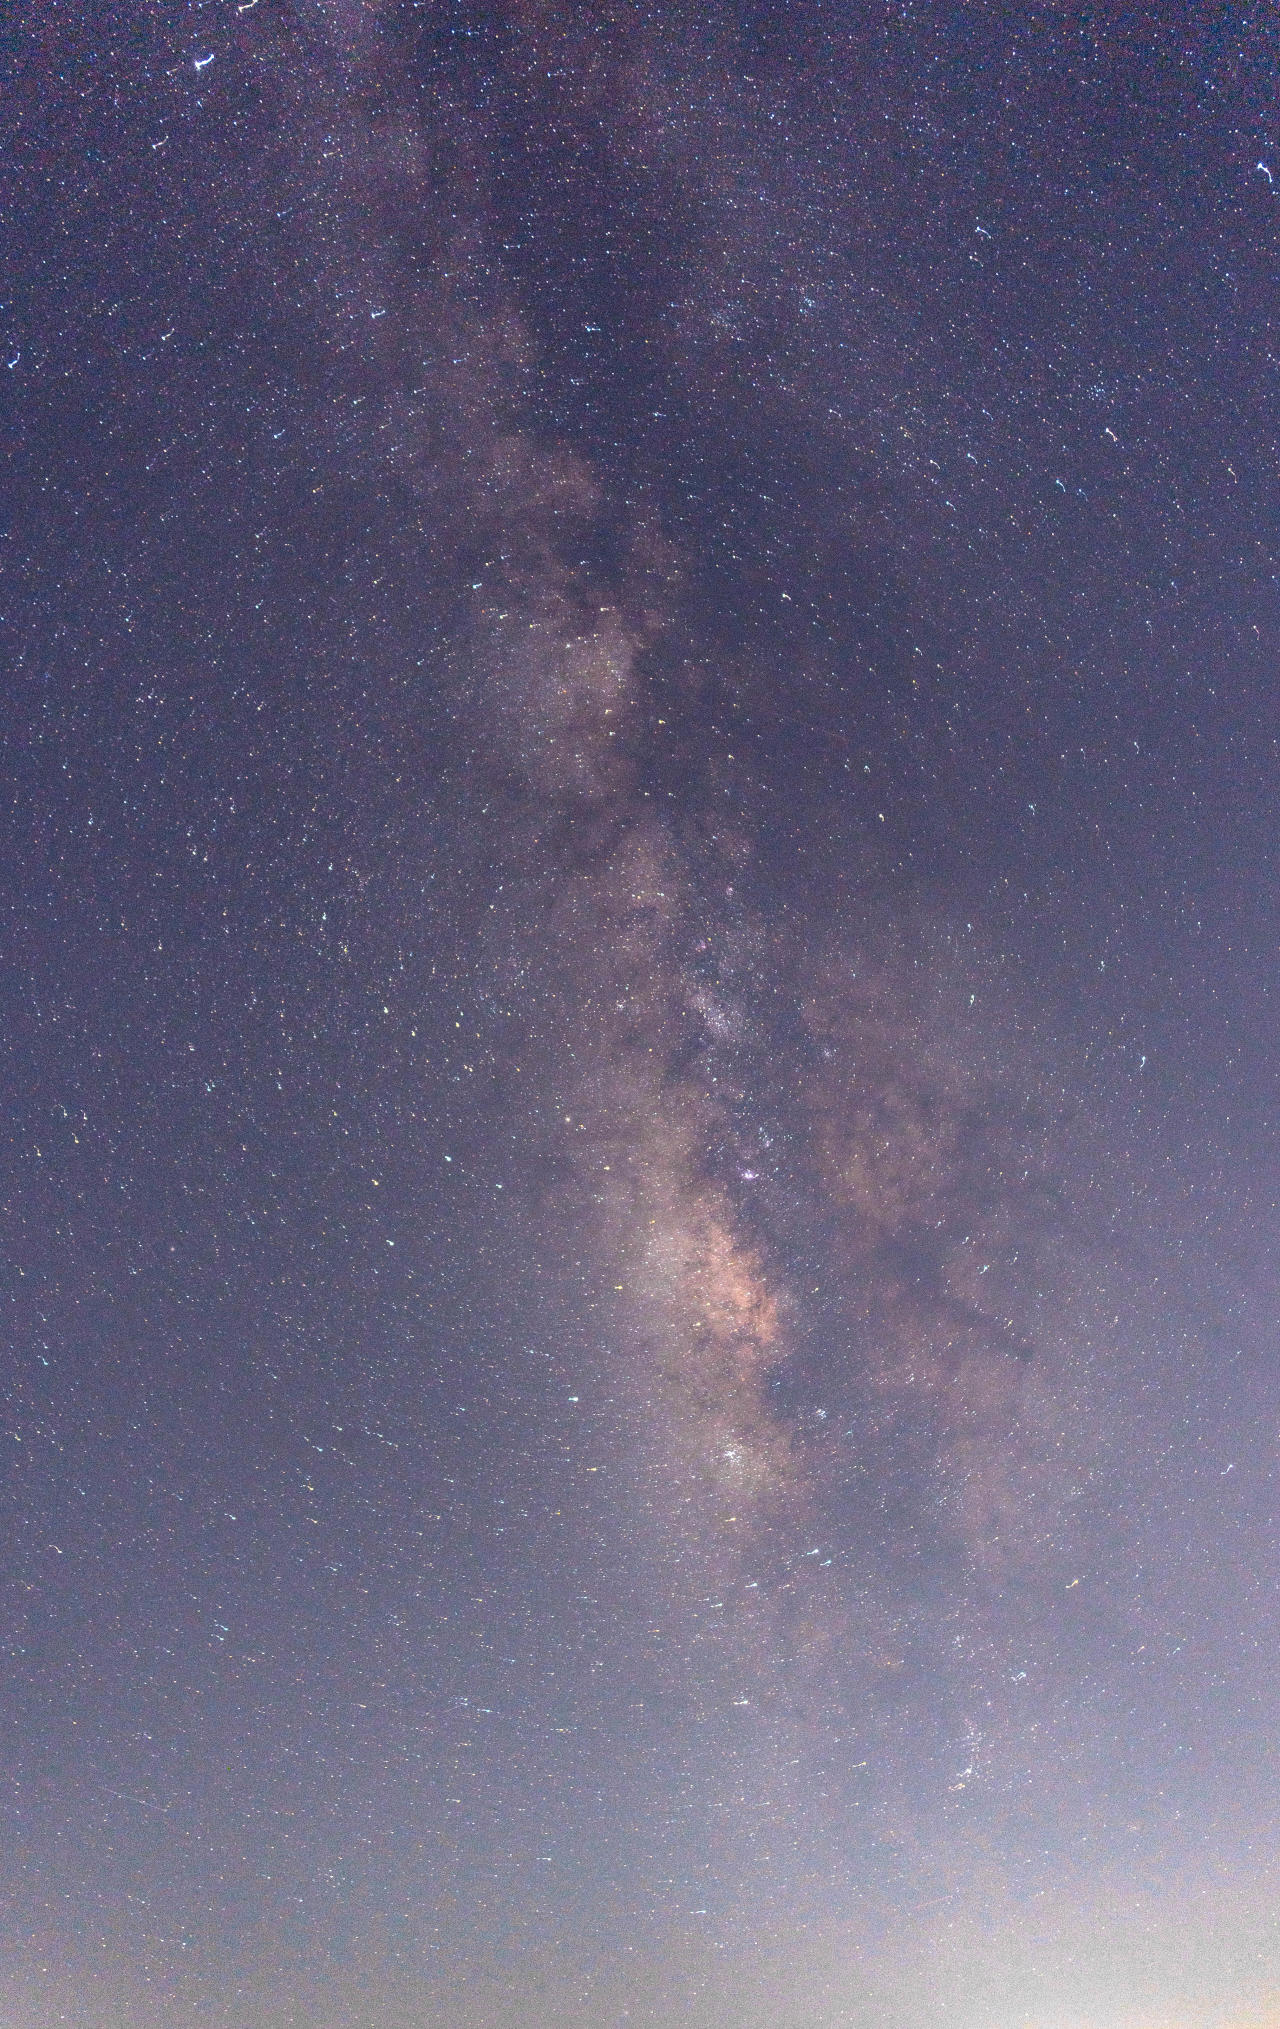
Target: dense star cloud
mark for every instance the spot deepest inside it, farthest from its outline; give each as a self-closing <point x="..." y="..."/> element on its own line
<point x="640" y="1174"/>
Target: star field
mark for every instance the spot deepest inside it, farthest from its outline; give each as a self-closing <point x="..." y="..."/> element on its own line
<point x="639" y="1175"/>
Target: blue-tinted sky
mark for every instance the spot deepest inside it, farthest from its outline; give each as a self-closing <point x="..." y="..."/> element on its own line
<point x="641" y="1377"/>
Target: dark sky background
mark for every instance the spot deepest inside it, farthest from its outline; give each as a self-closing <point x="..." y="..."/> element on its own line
<point x="640" y="1374"/>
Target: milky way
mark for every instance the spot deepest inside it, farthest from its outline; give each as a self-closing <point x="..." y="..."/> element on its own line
<point x="737" y="1097"/>
<point x="641" y="1361"/>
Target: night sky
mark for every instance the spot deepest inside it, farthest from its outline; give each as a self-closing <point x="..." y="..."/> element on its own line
<point x="641" y="757"/>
